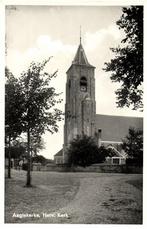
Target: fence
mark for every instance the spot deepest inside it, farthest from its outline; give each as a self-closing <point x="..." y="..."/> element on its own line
<point x="98" y="168"/>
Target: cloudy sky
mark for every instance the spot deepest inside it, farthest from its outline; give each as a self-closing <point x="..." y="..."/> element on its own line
<point x="34" y="33"/>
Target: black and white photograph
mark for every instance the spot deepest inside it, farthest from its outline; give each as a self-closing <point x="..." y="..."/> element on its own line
<point x="74" y="88"/>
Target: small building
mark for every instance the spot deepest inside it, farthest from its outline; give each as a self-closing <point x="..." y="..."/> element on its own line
<point x="118" y="160"/>
<point x="58" y="157"/>
<point x="119" y="157"/>
<point x="36" y="166"/>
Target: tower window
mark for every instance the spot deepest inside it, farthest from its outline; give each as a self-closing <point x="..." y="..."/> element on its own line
<point x="69" y="83"/>
<point x="99" y="130"/>
<point x="83" y="84"/>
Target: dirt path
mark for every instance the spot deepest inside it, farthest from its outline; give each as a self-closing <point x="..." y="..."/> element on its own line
<point x="107" y="199"/>
<point x="87" y="198"/>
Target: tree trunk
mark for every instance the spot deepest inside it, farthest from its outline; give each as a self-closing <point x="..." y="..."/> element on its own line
<point x="28" y="183"/>
<point x="9" y="158"/>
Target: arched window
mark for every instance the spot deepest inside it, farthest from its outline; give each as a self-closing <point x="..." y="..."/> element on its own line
<point x="83" y="83"/>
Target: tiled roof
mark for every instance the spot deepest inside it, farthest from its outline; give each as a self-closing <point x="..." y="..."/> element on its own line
<point x="115" y="128"/>
<point x="80" y="57"/>
<point x="60" y="153"/>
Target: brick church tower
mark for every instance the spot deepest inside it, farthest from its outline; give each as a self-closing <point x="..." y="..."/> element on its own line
<point x="80" y="107"/>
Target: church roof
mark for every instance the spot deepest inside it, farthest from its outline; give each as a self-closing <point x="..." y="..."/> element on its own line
<point x="60" y="153"/>
<point x="115" y="128"/>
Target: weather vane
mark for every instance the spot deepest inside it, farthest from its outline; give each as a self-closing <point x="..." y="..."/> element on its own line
<point x="80" y="34"/>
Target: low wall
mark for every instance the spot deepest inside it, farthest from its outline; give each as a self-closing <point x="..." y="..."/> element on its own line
<point x="98" y="168"/>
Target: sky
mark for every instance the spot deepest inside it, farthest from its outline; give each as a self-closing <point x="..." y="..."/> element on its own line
<point x="34" y="33"/>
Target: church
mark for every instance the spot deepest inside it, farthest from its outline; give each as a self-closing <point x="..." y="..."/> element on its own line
<point x="80" y="112"/>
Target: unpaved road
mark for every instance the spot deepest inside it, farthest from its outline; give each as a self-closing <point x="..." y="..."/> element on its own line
<point x="92" y="198"/>
<point x="103" y="199"/>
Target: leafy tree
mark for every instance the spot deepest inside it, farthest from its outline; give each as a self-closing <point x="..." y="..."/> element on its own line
<point x="127" y="65"/>
<point x="40" y="113"/>
<point x="19" y="145"/>
<point x="106" y="152"/>
<point x="133" y="145"/>
<point x="83" y="151"/>
<point x="36" y="144"/>
<point x="39" y="159"/>
<point x="16" y="151"/>
<point x="13" y="112"/>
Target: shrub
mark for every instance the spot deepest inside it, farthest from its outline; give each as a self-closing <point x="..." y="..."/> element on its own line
<point x="133" y="146"/>
<point x="83" y="151"/>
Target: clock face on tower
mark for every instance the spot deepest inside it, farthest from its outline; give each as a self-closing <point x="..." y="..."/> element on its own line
<point x="83" y="88"/>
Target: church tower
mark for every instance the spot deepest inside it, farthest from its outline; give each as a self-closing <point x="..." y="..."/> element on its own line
<point x="80" y="107"/>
